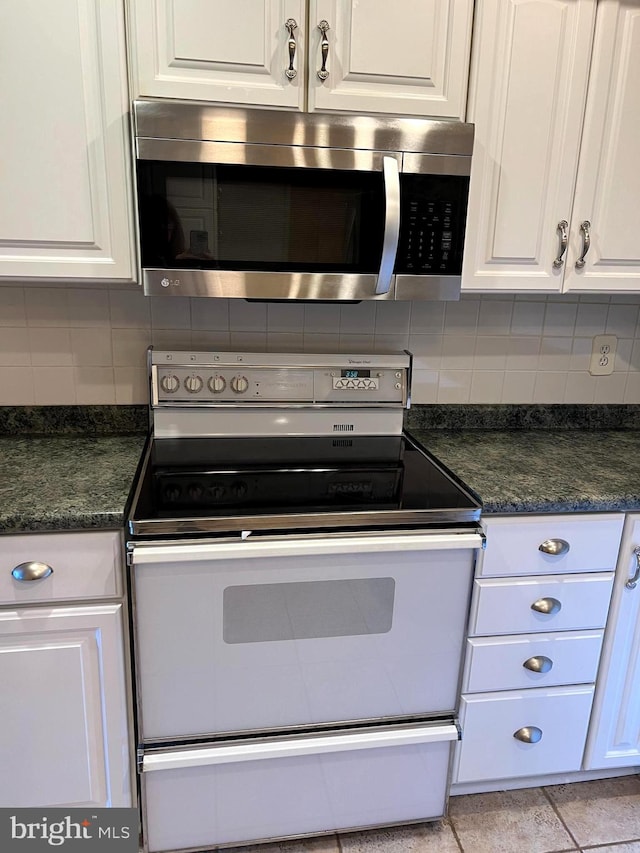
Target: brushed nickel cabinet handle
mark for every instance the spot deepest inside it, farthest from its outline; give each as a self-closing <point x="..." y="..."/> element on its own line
<point x="548" y="606"/>
<point x="291" y="44"/>
<point x="528" y="734"/>
<point x="539" y="663"/>
<point x="563" y="227"/>
<point x="586" y="243"/>
<point x="323" y="26"/>
<point x="554" y="547"/>
<point x="632" y="583"/>
<point x="33" y="571"/>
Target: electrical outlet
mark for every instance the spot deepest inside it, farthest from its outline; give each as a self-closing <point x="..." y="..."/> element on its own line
<point x="603" y="355"/>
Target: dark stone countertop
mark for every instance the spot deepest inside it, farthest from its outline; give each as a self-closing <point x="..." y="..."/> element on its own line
<point x="542" y="470"/>
<point x="68" y="467"/>
<point x="69" y="482"/>
<point x="72" y="468"/>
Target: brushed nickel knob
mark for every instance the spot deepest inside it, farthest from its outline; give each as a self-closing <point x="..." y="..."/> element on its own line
<point x="539" y="663"/>
<point x="548" y="606"/>
<point x="32" y="571"/>
<point x="528" y="734"/>
<point x="554" y="547"/>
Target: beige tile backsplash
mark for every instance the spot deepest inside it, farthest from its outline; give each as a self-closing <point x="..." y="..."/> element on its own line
<point x="87" y="344"/>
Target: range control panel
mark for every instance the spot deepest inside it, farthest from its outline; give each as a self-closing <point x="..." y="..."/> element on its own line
<point x="179" y="378"/>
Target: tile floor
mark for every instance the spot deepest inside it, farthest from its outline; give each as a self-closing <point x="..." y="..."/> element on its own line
<point x="598" y="817"/>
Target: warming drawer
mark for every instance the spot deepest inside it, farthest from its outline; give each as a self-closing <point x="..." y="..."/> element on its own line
<point x="199" y="798"/>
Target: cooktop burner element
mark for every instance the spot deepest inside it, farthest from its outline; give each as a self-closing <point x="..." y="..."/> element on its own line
<point x="301" y="453"/>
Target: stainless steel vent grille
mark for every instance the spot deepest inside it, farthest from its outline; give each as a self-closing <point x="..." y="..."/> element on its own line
<point x="343" y="427"/>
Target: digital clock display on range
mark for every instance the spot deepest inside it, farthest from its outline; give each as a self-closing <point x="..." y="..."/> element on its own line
<point x="355" y="374"/>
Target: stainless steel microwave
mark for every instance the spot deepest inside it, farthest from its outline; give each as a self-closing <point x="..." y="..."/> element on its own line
<point x="261" y="204"/>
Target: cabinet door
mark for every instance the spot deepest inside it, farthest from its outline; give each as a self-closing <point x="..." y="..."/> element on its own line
<point x="231" y="51"/>
<point x="65" y="198"/>
<point x="608" y="186"/>
<point x="63" y="708"/>
<point x="614" y="737"/>
<point x="528" y="87"/>
<point x="410" y="57"/>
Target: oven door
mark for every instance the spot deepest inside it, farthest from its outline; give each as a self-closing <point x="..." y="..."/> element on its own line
<point x="299" y="631"/>
<point x="267" y="222"/>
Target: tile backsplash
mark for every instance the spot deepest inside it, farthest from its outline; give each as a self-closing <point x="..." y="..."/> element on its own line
<point x="87" y="343"/>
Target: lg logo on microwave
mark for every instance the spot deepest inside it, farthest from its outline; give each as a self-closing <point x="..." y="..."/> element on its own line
<point x="170" y="282"/>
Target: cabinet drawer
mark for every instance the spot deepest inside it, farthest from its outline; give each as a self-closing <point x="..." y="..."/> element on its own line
<point x="513" y="547"/>
<point x="489" y="721"/>
<point x="498" y="663"/>
<point x="505" y="606"/>
<point x="85" y="565"/>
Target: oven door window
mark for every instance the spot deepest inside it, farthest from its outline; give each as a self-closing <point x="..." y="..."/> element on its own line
<point x="230" y="217"/>
<point x="260" y="613"/>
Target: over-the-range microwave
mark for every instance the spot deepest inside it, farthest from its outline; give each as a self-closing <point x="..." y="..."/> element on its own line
<point x="268" y="205"/>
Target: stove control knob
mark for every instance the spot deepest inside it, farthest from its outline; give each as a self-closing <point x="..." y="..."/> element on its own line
<point x="195" y="491"/>
<point x="239" y="489"/>
<point x="239" y="384"/>
<point x="170" y="383"/>
<point x="217" y="384"/>
<point x="172" y="492"/>
<point x="193" y="383"/>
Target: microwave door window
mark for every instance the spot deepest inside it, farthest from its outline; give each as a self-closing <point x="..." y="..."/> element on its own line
<point x="260" y="218"/>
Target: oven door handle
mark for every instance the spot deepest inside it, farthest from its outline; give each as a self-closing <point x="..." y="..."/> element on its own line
<point x="293" y="546"/>
<point x="391" y="177"/>
<point x="299" y="747"/>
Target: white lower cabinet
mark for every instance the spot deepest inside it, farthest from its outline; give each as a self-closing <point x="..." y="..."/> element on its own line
<point x="532" y="660"/>
<point x="534" y="646"/>
<point x="614" y="736"/>
<point x="523" y="732"/>
<point x="64" y="738"/>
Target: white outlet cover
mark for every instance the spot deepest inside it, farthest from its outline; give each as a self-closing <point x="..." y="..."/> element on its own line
<point x="603" y="355"/>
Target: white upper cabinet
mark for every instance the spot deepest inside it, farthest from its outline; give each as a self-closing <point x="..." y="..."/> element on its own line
<point x="555" y="97"/>
<point x="232" y="51"/>
<point x="528" y="86"/>
<point x="608" y="188"/>
<point x="410" y="58"/>
<point x="66" y="208"/>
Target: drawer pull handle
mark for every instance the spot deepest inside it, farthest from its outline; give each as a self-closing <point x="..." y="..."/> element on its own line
<point x="528" y="734"/>
<point x="554" y="547"/>
<point x="548" y="606"/>
<point x="32" y="571"/>
<point x="632" y="583"/>
<point x="540" y="663"/>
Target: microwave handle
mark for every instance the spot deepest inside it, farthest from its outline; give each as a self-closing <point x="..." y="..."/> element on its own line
<point x="391" y="178"/>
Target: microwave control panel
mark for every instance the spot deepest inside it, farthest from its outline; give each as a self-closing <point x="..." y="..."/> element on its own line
<point x="201" y="381"/>
<point x="432" y="220"/>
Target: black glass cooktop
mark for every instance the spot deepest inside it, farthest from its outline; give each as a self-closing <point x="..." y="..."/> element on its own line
<point x="220" y="484"/>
